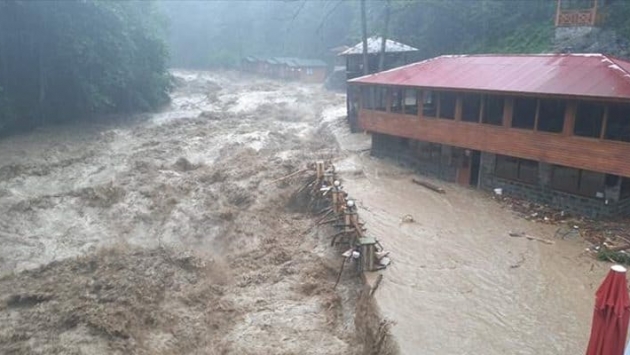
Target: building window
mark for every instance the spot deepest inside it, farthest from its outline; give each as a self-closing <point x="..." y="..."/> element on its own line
<point x="516" y="169"/>
<point x="471" y="107"/>
<point x="429" y="106"/>
<point x="625" y="187"/>
<point x="367" y="97"/>
<point x="524" y="115"/>
<point x="589" y="119"/>
<point x="309" y="71"/>
<point x="577" y="181"/>
<point x="618" y="125"/>
<point x="429" y="152"/>
<point x="381" y="98"/>
<point x="551" y="115"/>
<point x="448" y="102"/>
<point x="411" y="101"/>
<point x="397" y="100"/>
<point x="493" y="110"/>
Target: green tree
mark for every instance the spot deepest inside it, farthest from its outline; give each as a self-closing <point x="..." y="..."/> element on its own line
<point x="62" y="60"/>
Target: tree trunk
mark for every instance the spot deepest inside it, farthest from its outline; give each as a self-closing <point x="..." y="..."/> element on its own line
<point x="381" y="62"/>
<point x="364" y="38"/>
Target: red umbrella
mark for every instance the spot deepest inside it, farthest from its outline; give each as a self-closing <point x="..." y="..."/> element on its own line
<point x="612" y="312"/>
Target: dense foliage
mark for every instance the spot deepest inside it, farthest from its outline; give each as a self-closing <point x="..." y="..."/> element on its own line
<point x="63" y="60"/>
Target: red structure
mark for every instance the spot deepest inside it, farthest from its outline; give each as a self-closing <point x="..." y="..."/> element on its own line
<point x="568" y="14"/>
<point x="553" y="128"/>
<point x="611" y="315"/>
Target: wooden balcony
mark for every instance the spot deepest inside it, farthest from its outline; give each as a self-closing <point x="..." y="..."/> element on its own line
<point x="576" y="18"/>
<point x="578" y="152"/>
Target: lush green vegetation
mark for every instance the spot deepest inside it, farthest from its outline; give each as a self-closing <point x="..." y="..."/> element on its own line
<point x="61" y="60"/>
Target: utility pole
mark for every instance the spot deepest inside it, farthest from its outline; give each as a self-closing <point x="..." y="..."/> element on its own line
<point x="364" y="37"/>
<point x="381" y="62"/>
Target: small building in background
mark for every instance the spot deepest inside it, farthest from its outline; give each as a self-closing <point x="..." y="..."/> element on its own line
<point x="553" y="128"/>
<point x="286" y="68"/>
<point x="308" y="70"/>
<point x="396" y="54"/>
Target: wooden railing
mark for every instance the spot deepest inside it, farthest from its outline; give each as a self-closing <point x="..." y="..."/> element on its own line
<point x="568" y="18"/>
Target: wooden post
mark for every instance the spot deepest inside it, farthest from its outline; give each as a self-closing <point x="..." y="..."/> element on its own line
<point x="320" y="169"/>
<point x="420" y="102"/>
<point x="602" y="134"/>
<point x="458" y="107"/>
<point x="508" y="109"/>
<point x="594" y="14"/>
<point x="367" y="248"/>
<point x="569" y="119"/>
<point x="558" y="9"/>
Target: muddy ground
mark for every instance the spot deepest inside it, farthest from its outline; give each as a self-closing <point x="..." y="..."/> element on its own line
<point x="161" y="234"/>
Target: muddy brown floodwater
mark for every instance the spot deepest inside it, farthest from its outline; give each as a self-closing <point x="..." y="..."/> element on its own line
<point x="161" y="234"/>
<point x="458" y="283"/>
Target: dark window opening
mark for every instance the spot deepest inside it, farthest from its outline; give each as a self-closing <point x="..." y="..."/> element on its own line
<point x="551" y="115"/>
<point x="524" y="115"/>
<point x="589" y="119"/>
<point x="429" y="106"/>
<point x="397" y="100"/>
<point x="493" y="110"/>
<point x="611" y="180"/>
<point x="618" y="126"/>
<point x="625" y="187"/>
<point x="430" y="152"/>
<point x="471" y="107"/>
<point x="577" y="181"/>
<point x="367" y="95"/>
<point x="411" y="101"/>
<point x="448" y="102"/>
<point x="516" y="169"/>
<point x="381" y="98"/>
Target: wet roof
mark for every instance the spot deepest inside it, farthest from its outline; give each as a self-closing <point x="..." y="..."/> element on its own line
<point x="374" y="46"/>
<point x="586" y="75"/>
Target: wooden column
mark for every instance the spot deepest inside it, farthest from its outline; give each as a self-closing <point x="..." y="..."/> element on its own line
<point x="602" y="134"/>
<point x="458" y="107"/>
<point x="508" y="111"/>
<point x="420" y="101"/>
<point x="569" y="118"/>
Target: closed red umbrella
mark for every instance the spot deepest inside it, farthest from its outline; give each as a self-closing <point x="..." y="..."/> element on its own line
<point x="612" y="312"/>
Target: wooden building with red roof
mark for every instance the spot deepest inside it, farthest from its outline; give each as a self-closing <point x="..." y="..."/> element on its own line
<point x="552" y="128"/>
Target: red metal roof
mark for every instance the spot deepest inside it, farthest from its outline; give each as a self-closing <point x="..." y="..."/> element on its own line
<point x="590" y="75"/>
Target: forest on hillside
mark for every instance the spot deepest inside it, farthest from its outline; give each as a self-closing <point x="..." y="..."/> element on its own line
<point x="219" y="33"/>
<point x="69" y="59"/>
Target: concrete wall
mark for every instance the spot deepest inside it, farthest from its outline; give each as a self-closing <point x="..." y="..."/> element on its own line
<point x="542" y="193"/>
